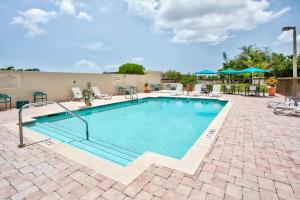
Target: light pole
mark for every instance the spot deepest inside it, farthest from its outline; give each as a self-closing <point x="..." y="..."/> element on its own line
<point x="288" y="28"/>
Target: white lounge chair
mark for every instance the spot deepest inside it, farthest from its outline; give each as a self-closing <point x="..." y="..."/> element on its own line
<point x="286" y="109"/>
<point x="178" y="91"/>
<point x="216" y="91"/>
<point x="99" y="95"/>
<point x="197" y="90"/>
<point x="77" y="94"/>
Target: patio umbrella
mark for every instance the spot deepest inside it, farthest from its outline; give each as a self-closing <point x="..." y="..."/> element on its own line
<point x="253" y="70"/>
<point x="205" y="72"/>
<point x="229" y="72"/>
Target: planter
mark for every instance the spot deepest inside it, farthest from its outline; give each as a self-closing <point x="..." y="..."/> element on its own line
<point x="272" y="91"/>
<point x="189" y="88"/>
<point x="147" y="91"/>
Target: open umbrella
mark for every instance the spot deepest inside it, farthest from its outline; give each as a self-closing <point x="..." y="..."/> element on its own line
<point x="253" y="70"/>
<point x="204" y="72"/>
<point x="229" y="72"/>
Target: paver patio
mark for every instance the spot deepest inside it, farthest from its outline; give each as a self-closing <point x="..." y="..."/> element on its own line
<point x="255" y="156"/>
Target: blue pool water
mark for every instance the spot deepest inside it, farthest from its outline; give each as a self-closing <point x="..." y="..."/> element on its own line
<point x="121" y="132"/>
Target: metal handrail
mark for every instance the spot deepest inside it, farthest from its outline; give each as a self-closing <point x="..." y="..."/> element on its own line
<point x="41" y="104"/>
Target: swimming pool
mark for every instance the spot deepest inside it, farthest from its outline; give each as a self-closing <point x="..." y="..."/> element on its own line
<point x="121" y="132"/>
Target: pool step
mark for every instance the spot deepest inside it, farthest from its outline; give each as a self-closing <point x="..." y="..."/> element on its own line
<point x="53" y="134"/>
<point x="98" y="147"/>
<point x="97" y="141"/>
<point x="124" y="161"/>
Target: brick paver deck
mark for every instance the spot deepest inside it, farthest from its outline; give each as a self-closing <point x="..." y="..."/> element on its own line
<point x="255" y="156"/>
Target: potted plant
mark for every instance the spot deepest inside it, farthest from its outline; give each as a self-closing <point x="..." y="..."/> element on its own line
<point x="188" y="81"/>
<point x="86" y="93"/>
<point x="146" y="90"/>
<point x="271" y="82"/>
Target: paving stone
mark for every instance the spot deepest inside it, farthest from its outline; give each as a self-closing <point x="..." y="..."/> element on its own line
<point x="132" y="190"/>
<point x="6" y="192"/>
<point x="266" y="184"/>
<point x="24" y="193"/>
<point x="249" y="194"/>
<point x="234" y="191"/>
<point x="246" y="184"/>
<point x="106" y="184"/>
<point x="236" y="172"/>
<point x="143" y="196"/>
<point x="172" y="195"/>
<point x="49" y="187"/>
<point x="218" y="192"/>
<point x="52" y="196"/>
<point x="269" y="195"/>
<point x="113" y="194"/>
<point x="284" y="191"/>
<point x="197" y="195"/>
<point x="92" y="194"/>
<point x="154" y="189"/>
<point x="183" y="189"/>
<point x="23" y="185"/>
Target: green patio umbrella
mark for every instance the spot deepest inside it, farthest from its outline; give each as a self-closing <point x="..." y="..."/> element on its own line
<point x="253" y="70"/>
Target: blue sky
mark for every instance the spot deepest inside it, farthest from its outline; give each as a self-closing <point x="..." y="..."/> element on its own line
<point x="99" y="35"/>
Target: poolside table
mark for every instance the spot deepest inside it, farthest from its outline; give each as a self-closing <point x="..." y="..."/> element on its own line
<point x="20" y="103"/>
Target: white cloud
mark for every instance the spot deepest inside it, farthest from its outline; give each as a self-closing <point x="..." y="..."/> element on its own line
<point x="84" y="15"/>
<point x="32" y="19"/>
<point x="137" y="60"/>
<point x="95" y="46"/>
<point x="286" y="37"/>
<point x="85" y="65"/>
<point x="205" y="21"/>
<point x="67" y="6"/>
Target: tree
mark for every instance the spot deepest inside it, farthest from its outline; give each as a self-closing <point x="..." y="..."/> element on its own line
<point x="278" y="64"/>
<point x="131" y="68"/>
<point x="172" y="74"/>
<point x="12" y="68"/>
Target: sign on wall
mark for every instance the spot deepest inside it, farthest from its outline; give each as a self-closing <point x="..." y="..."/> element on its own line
<point x="116" y="79"/>
<point x="10" y="81"/>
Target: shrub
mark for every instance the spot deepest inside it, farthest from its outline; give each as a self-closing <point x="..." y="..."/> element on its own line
<point x="172" y="74"/>
<point x="272" y="81"/>
<point x="131" y="68"/>
<point x="188" y="79"/>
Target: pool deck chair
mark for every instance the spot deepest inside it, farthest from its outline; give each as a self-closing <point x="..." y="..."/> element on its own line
<point x="39" y="96"/>
<point x="5" y="99"/>
<point x="99" y="95"/>
<point x="178" y="91"/>
<point x="286" y="109"/>
<point x="77" y="94"/>
<point x="197" y="90"/>
<point x="253" y="90"/>
<point x="216" y="91"/>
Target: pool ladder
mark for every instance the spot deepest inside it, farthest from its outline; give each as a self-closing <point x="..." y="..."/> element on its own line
<point x="43" y="104"/>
